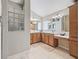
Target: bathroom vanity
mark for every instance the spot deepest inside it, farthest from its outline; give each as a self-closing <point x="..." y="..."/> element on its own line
<point x="46" y="38"/>
<point x="35" y="37"/>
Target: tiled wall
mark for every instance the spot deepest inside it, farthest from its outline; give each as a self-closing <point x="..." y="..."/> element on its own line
<point x="64" y="43"/>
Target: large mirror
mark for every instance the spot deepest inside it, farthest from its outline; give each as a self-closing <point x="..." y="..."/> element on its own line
<point x="56" y="25"/>
<point x="46" y="25"/>
<point x="65" y="23"/>
<point x="16" y="15"/>
<point x="35" y="25"/>
<point x="60" y="22"/>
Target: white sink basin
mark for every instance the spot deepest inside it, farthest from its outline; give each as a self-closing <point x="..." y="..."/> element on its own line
<point x="66" y="35"/>
<point x="62" y="36"/>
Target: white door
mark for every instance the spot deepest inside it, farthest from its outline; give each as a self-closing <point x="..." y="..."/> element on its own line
<point x="0" y="40"/>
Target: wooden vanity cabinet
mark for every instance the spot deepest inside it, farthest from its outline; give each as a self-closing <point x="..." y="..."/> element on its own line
<point x="43" y="37"/>
<point x="53" y="41"/>
<point x="73" y="17"/>
<point x="38" y="35"/>
<point x="46" y="38"/>
<point x="73" y="38"/>
<point x="73" y="48"/>
<point x="35" y="37"/>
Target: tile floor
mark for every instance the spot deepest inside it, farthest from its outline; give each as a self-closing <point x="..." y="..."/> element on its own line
<point x="42" y="51"/>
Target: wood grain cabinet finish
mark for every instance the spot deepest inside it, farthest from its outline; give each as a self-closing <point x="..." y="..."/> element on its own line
<point x="73" y="17"/>
<point x="38" y="35"/>
<point x="73" y="40"/>
<point x="35" y="37"/>
<point x="73" y="48"/>
<point x="46" y="38"/>
<point x="53" y="41"/>
<point x="43" y="37"/>
<point x="49" y="39"/>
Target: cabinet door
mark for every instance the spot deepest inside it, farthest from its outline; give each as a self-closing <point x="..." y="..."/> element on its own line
<point x="43" y="37"/>
<point x="51" y="40"/>
<point x="46" y="38"/>
<point x="73" y="48"/>
<point x="34" y="38"/>
<point x="73" y="16"/>
<point x="38" y="37"/>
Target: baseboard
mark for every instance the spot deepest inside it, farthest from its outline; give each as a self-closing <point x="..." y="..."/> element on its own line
<point x="63" y="47"/>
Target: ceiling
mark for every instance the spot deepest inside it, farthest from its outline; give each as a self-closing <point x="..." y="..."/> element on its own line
<point x="46" y="7"/>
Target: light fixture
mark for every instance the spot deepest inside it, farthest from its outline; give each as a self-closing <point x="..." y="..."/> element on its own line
<point x="33" y="22"/>
<point x="34" y="19"/>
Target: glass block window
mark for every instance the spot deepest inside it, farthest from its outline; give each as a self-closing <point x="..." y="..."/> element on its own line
<point x="15" y="19"/>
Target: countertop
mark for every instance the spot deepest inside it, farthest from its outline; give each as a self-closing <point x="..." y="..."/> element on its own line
<point x="56" y="35"/>
<point x="33" y="31"/>
<point x="65" y="36"/>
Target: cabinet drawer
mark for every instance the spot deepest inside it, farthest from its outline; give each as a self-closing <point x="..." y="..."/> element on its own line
<point x="55" y="42"/>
